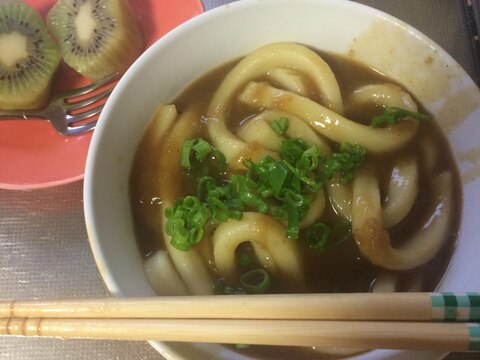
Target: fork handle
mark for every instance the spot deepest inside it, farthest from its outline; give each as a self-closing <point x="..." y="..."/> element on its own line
<point x="21" y="115"/>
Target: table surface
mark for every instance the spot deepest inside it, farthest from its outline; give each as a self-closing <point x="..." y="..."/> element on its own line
<point x="44" y="251"/>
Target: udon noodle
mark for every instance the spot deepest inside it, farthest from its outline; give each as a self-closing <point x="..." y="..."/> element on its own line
<point x="398" y="211"/>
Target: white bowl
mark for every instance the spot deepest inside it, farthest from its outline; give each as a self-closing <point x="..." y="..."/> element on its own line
<point x="211" y="39"/>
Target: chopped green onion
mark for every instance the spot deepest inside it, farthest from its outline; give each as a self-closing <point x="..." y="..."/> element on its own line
<point x="219" y="199"/>
<point x="317" y="235"/>
<point x="344" y="162"/>
<point x="244" y="260"/>
<point x="309" y="159"/>
<point x="256" y="281"/>
<point x="393" y="115"/>
<point x="277" y="176"/>
<point x="292" y="150"/>
<point x="293" y="221"/>
<point x="254" y="201"/>
<point x="185" y="153"/>
<point x="282" y="188"/>
<point x="280" y="125"/>
<point x="321" y="236"/>
<point x="200" y="149"/>
<point x="185" y="222"/>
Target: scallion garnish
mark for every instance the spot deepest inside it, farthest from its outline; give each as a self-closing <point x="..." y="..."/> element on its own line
<point x="344" y="162"/>
<point x="283" y="188"/>
<point x="317" y="235"/>
<point x="200" y="149"/>
<point x="255" y="281"/>
<point x="321" y="236"/>
<point x="280" y="125"/>
<point x="185" y="222"/>
<point x="393" y="115"/>
<point x="244" y="260"/>
<point x="291" y="150"/>
<point x="219" y="199"/>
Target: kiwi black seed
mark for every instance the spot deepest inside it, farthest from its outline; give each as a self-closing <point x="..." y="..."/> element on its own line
<point x="29" y="57"/>
<point x="96" y="37"/>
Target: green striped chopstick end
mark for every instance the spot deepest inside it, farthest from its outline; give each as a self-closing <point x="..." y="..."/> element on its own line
<point x="455" y="307"/>
<point x="474" y="337"/>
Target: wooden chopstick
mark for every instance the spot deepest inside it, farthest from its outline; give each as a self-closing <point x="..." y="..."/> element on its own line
<point x="393" y="321"/>
<point x="358" y="334"/>
<point x="354" y="306"/>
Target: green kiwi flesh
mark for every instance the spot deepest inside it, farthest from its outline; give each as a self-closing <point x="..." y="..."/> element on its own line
<point x="97" y="38"/>
<point x="29" y="57"/>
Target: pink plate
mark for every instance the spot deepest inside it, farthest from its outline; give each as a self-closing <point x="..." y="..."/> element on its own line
<point x="32" y="154"/>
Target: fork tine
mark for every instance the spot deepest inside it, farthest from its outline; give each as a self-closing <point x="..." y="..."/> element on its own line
<point x="89" y="88"/>
<point x="80" y="129"/>
<point x="84" y="115"/>
<point x="85" y="102"/>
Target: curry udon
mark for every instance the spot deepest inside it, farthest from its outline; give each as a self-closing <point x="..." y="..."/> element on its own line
<point x="269" y="175"/>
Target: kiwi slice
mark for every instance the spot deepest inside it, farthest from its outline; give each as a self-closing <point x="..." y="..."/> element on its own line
<point x="28" y="57"/>
<point x="96" y="37"/>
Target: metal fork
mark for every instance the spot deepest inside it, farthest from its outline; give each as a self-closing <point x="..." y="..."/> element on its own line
<point x="64" y="111"/>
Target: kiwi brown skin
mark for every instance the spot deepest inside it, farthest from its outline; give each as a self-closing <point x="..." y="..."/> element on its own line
<point x="25" y="78"/>
<point x="111" y="39"/>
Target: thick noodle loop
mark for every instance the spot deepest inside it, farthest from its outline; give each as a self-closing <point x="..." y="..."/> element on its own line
<point x="159" y="268"/>
<point x="374" y="241"/>
<point x="403" y="186"/>
<point x="289" y="79"/>
<point x="162" y="275"/>
<point x="384" y="95"/>
<point x="189" y="264"/>
<point x="257" y="65"/>
<point x="402" y="191"/>
<point x="340" y="196"/>
<point x="258" y="130"/>
<point x="327" y="122"/>
<point x="278" y="254"/>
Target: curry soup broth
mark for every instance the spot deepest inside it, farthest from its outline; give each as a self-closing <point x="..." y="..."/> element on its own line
<point x="340" y="268"/>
